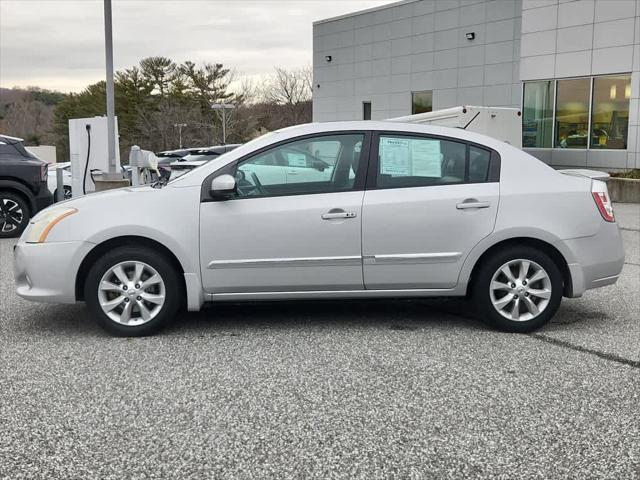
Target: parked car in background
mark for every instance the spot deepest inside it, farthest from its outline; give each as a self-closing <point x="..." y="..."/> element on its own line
<point x="52" y="180"/>
<point x="209" y="153"/>
<point x="399" y="210"/>
<point x="195" y="158"/>
<point x="23" y="186"/>
<point x="180" y="168"/>
<point x="165" y="159"/>
<point x="171" y="155"/>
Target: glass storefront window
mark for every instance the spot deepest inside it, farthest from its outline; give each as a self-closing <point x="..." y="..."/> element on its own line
<point x="610" y="112"/>
<point x="572" y="113"/>
<point x="421" y="102"/>
<point x="537" y="114"/>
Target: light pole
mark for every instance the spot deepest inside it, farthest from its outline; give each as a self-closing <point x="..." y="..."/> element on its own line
<point x="111" y="124"/>
<point x="179" y="126"/>
<point x="224" y="107"/>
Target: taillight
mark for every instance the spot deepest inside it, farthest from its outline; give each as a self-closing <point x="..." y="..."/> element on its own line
<point x="44" y="171"/>
<point x="603" y="202"/>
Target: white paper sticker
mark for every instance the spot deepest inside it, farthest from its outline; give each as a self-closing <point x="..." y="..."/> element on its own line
<point x="394" y="156"/>
<point x="426" y="160"/>
<point x="297" y="159"/>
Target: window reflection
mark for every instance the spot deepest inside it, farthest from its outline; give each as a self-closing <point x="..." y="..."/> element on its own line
<point x="572" y="113"/>
<point x="537" y="115"/>
<point x="610" y="117"/>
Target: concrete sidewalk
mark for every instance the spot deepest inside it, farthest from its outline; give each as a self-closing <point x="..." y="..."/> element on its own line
<point x="627" y="215"/>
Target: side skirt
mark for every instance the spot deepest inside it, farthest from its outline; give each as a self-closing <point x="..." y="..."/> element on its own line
<point x="344" y="294"/>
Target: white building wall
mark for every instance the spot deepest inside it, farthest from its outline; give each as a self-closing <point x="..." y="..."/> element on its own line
<point x="579" y="38"/>
<point x="384" y="54"/>
<point x="46" y="153"/>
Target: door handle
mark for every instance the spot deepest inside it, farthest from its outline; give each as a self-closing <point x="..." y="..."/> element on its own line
<point x="472" y="204"/>
<point x="333" y="215"/>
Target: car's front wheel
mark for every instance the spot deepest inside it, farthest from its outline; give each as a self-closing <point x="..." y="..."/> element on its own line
<point x="518" y="289"/>
<point x="132" y="291"/>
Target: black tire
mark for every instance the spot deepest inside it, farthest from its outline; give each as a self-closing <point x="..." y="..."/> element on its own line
<point x="174" y="296"/>
<point x="14" y="214"/>
<point x="481" y="289"/>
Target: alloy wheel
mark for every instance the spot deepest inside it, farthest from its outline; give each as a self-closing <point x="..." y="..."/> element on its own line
<point x="11" y="215"/>
<point x="520" y="290"/>
<point x="131" y="293"/>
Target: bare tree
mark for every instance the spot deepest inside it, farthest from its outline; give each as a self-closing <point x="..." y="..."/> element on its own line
<point x="292" y="90"/>
<point x="29" y="119"/>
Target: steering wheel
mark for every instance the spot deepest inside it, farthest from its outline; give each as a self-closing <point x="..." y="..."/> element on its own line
<point x="256" y="181"/>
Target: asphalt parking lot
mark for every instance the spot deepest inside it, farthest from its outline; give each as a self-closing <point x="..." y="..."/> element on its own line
<point x="382" y="389"/>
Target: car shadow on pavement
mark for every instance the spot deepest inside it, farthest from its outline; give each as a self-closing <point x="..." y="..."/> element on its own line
<point x="375" y="314"/>
<point x="578" y="315"/>
<point x="76" y="320"/>
<point x="227" y="318"/>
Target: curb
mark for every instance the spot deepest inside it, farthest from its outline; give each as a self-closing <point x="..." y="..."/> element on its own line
<point x="624" y="190"/>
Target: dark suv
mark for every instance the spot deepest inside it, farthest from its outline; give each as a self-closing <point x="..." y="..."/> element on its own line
<point x="23" y="186"/>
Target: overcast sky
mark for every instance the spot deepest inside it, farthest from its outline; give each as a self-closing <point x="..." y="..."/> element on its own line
<point x="59" y="44"/>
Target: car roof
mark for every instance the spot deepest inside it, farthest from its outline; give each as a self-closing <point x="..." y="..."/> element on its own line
<point x="388" y="126"/>
<point x="215" y="149"/>
<point x="188" y="163"/>
<point x="173" y="153"/>
<point x="10" y="140"/>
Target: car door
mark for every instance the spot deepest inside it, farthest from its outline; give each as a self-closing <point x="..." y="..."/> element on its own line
<point x="428" y="202"/>
<point x="288" y="236"/>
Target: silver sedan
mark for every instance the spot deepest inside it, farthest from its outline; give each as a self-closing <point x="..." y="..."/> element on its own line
<point x="333" y="210"/>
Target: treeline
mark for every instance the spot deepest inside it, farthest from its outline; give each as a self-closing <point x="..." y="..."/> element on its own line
<point x="158" y="94"/>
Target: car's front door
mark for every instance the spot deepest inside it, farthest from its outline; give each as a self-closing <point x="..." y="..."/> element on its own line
<point x="431" y="201"/>
<point x="288" y="236"/>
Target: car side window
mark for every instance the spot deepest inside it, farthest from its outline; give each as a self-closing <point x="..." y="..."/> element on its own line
<point x="412" y="161"/>
<point x="479" y="161"/>
<point x="319" y="164"/>
<point x="405" y="161"/>
<point x="7" y="150"/>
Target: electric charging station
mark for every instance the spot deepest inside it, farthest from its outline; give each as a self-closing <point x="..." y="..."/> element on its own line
<point x="88" y="151"/>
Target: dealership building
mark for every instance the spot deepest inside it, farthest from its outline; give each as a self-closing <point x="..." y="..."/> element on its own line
<point x="572" y="67"/>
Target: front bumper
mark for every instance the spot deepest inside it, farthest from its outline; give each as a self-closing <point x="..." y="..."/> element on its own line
<point x="598" y="260"/>
<point x="46" y="272"/>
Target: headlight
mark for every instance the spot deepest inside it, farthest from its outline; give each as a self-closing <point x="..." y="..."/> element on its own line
<point x="41" y="224"/>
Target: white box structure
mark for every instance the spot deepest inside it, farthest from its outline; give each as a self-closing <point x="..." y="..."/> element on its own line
<point x="88" y="151"/>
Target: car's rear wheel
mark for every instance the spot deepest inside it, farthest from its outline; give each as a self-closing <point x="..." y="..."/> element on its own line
<point x="133" y="291"/>
<point x="518" y="289"/>
<point x="14" y="214"/>
<point x="67" y="195"/>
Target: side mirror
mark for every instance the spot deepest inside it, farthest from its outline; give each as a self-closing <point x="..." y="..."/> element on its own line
<point x="223" y="186"/>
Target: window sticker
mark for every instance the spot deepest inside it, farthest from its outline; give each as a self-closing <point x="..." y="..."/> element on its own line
<point x="394" y="156"/>
<point x="402" y="157"/>
<point x="296" y="159"/>
<point x="426" y="158"/>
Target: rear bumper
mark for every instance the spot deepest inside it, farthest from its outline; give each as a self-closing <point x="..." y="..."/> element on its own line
<point x="597" y="260"/>
<point x="42" y="200"/>
<point x="46" y="272"/>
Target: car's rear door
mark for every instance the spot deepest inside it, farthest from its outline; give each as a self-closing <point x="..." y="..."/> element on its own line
<point x="429" y="201"/>
<point x="287" y="236"/>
